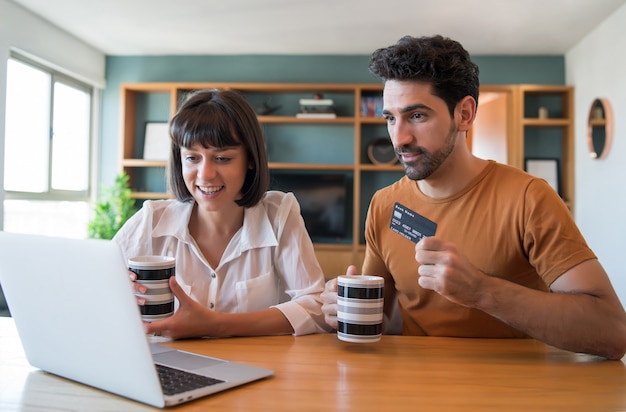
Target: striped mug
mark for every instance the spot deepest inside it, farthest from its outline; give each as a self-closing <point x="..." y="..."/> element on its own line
<point x="359" y="308"/>
<point x="154" y="273"/>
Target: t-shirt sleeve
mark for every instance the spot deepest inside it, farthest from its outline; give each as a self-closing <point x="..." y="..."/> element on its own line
<point x="552" y="240"/>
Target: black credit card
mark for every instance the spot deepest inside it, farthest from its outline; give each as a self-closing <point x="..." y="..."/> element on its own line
<point x="410" y="224"/>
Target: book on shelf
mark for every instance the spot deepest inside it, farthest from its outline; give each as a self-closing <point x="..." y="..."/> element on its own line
<point x="320" y="109"/>
<point x="316" y="102"/>
<point x="317" y="108"/>
<point x="371" y="106"/>
<point x="317" y="115"/>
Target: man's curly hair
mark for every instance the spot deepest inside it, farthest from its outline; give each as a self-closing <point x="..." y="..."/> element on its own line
<point x="437" y="60"/>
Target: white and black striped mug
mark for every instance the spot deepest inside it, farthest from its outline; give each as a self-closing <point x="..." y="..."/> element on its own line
<point x="359" y="308"/>
<point x="154" y="273"/>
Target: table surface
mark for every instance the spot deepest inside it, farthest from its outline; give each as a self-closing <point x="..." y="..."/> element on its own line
<point x="319" y="372"/>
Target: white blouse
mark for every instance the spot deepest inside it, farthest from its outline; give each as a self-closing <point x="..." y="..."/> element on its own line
<point x="269" y="262"/>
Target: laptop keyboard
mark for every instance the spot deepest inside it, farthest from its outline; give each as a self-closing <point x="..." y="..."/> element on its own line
<point x="175" y="381"/>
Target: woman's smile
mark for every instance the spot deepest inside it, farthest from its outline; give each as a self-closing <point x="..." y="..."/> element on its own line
<point x="210" y="190"/>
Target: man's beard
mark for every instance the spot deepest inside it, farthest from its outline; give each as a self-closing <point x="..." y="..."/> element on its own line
<point x="427" y="163"/>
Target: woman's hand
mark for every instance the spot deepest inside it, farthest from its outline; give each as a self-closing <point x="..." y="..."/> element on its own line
<point x="139" y="288"/>
<point x="190" y="320"/>
<point x="329" y="299"/>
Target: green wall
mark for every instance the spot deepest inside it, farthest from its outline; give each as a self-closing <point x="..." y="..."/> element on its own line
<point x="280" y="69"/>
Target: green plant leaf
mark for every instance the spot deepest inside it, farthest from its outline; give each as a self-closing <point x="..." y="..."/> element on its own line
<point x="113" y="209"/>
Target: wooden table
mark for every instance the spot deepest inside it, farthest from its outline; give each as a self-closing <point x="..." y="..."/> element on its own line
<point x="320" y="373"/>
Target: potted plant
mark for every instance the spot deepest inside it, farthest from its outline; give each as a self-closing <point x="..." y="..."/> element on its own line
<point x="113" y="209"/>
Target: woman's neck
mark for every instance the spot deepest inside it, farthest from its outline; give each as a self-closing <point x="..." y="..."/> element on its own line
<point x="221" y="223"/>
<point x="213" y="231"/>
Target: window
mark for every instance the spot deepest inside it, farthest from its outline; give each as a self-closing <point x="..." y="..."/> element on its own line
<point x="47" y="151"/>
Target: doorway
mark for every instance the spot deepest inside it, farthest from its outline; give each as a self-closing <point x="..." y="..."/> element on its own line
<point x="493" y="133"/>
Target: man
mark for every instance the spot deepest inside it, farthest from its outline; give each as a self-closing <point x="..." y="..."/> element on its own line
<point x="501" y="255"/>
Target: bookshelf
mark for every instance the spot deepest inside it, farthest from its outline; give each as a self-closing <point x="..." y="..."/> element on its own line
<point x="339" y="144"/>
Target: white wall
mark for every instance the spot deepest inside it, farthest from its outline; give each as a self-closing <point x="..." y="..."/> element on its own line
<point x="21" y="30"/>
<point x="597" y="68"/>
<point x="24" y="31"/>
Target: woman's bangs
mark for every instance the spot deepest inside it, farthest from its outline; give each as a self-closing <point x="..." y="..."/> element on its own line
<point x="208" y="130"/>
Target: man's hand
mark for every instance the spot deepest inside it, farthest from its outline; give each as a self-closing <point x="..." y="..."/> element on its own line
<point x="446" y="271"/>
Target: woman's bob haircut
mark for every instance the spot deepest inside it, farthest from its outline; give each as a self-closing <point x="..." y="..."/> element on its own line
<point x="219" y="118"/>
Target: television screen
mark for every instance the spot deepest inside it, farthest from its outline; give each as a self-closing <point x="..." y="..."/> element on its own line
<point x="322" y="199"/>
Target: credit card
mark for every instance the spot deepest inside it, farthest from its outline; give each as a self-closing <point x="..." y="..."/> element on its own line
<point x="410" y="224"/>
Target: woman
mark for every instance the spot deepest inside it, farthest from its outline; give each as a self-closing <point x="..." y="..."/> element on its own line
<point x="245" y="264"/>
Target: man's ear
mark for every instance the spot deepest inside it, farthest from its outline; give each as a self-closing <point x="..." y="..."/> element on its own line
<point x="466" y="111"/>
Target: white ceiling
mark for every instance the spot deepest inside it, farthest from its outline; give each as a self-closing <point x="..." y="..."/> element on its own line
<point x="153" y="27"/>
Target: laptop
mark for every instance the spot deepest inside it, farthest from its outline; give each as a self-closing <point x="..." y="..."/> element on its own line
<point x="76" y="315"/>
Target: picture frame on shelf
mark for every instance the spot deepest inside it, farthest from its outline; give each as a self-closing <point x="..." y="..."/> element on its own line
<point x="545" y="168"/>
<point x="157" y="141"/>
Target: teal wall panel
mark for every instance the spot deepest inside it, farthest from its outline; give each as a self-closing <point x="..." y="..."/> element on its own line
<point x="521" y="69"/>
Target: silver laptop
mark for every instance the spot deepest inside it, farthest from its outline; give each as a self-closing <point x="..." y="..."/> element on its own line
<point x="76" y="315"/>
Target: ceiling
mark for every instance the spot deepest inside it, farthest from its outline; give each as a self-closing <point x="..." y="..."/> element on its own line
<point x="188" y="27"/>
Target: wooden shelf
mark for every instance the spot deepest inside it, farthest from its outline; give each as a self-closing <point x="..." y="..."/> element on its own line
<point x="297" y="120"/>
<point x="546" y="122"/>
<point x="308" y="166"/>
<point x="157" y="102"/>
<point x="143" y="163"/>
<point x="381" y="168"/>
<point x="372" y="120"/>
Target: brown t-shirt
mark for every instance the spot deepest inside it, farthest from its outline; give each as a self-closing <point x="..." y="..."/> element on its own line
<point x="507" y="223"/>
